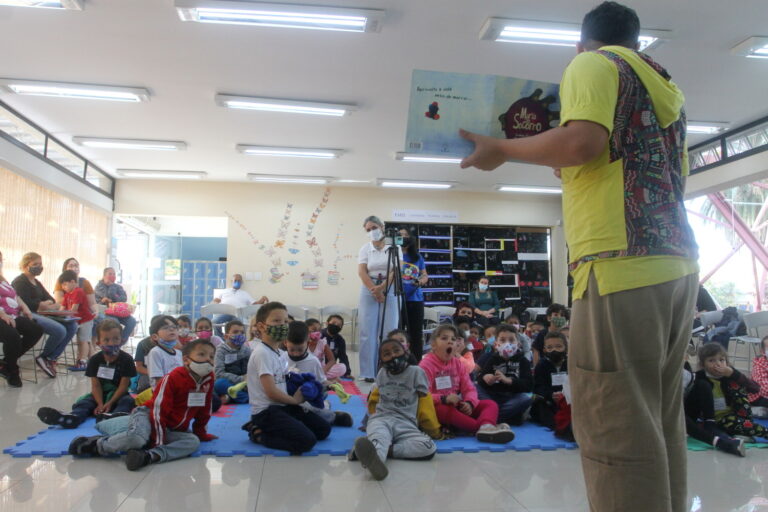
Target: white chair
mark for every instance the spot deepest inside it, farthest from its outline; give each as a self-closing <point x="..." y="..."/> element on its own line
<point x="245" y="313"/>
<point x="504" y="313"/>
<point x="218" y="309"/>
<point x="753" y="323"/>
<point x="431" y="321"/>
<point x="312" y="312"/>
<point x="445" y="311"/>
<point x="350" y="320"/>
<point x="168" y="309"/>
<point x="297" y="312"/>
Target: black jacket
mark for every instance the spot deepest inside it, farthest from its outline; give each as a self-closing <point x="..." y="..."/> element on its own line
<point x="542" y="378"/>
<point x="517" y="367"/>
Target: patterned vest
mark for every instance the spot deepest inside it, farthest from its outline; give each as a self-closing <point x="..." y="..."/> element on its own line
<point x="654" y="212"/>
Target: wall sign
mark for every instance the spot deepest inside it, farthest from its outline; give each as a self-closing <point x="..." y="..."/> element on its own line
<point x="425" y="216"/>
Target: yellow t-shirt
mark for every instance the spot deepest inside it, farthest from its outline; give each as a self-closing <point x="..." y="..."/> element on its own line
<point x="593" y="193"/>
<point x="721" y="409"/>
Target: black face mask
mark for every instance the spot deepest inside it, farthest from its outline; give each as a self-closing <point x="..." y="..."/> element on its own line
<point x="463" y="320"/>
<point x="397" y="364"/>
<point x="333" y="329"/>
<point x="36" y="271"/>
<point x="556" y="356"/>
<point x="298" y="358"/>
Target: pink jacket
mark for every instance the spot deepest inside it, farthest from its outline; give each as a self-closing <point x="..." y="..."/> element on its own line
<point x="455" y="369"/>
<point x="760" y="375"/>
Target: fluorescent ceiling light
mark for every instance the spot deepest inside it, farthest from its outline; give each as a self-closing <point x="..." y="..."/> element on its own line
<point x="755" y="47"/>
<point x="353" y="181"/>
<point x="72" y="90"/>
<point x="415" y="157"/>
<point x="104" y="143"/>
<point x="551" y="34"/>
<point x="706" y="128"/>
<point x="289" y="152"/>
<point x="164" y="175"/>
<point x="413" y="184"/>
<point x="307" y="180"/>
<point x="72" y="5"/>
<point x="529" y="190"/>
<point x="258" y="14"/>
<point x="288" y="106"/>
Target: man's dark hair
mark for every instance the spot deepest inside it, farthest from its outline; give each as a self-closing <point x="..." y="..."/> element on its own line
<point x="298" y="332"/>
<point x="611" y="23"/>
<point x="157" y="323"/>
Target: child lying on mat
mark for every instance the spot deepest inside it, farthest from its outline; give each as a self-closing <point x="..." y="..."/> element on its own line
<point x="110" y="371"/>
<point x="392" y="428"/>
<point x="182" y="396"/>
<point x="231" y="365"/>
<point x="297" y="357"/>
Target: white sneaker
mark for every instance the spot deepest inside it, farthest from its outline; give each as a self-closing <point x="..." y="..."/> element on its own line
<point x="498" y="434"/>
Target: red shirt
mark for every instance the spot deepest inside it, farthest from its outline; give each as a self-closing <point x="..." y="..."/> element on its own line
<point x="760" y="375"/>
<point x="77" y="296"/>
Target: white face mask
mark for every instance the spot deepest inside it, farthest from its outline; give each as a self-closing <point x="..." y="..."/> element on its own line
<point x="201" y="369"/>
<point x="375" y="234"/>
<point x="508" y="349"/>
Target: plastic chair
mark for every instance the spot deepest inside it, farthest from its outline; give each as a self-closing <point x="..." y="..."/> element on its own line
<point x="753" y="323"/>
<point x="297" y="312"/>
<point x="312" y="312"/>
<point x="431" y="321"/>
<point x="445" y="311"/>
<point x="245" y="313"/>
<point x="31" y="356"/>
<point x="218" y="309"/>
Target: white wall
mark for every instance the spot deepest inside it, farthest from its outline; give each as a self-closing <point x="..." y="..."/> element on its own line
<point x="256" y="211"/>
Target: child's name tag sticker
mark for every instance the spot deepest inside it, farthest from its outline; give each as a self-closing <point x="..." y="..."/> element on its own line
<point x="105" y="372"/>
<point x="443" y="382"/>
<point x="196" y="400"/>
<point x="558" y="379"/>
<point x="720" y="404"/>
<point x="230" y="358"/>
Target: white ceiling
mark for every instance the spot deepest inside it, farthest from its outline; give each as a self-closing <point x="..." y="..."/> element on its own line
<point x="144" y="43"/>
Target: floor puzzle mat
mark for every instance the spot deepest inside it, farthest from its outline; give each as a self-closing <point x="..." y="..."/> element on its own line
<point x="350" y="387"/>
<point x="226" y="423"/>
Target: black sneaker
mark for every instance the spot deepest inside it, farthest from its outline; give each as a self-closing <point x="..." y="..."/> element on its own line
<point x="51" y="416"/>
<point x="45" y="366"/>
<point x="732" y="446"/>
<point x="84" y="446"/>
<point x="137" y="459"/>
<point x="342" y="419"/>
<point x="366" y="453"/>
<point x="14" y="380"/>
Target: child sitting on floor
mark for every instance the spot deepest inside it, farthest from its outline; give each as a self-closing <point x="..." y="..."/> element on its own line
<point x="392" y="429"/>
<point x="760" y="376"/>
<point x="298" y="358"/>
<point x="464" y="354"/>
<point x="455" y="396"/>
<point x="76" y="301"/>
<point x="185" y="329"/>
<point x="402" y="336"/>
<point x="277" y="420"/>
<point x="231" y="365"/>
<point x="204" y="330"/>
<point x="332" y="333"/>
<point x="319" y="347"/>
<point x="110" y="371"/>
<point x="253" y="333"/>
<point x="140" y="358"/>
<point x="165" y="356"/>
<point x="506" y="378"/>
<point x="550" y="408"/>
<point x="182" y="396"/>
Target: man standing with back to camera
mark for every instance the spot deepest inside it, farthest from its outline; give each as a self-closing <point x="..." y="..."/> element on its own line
<point x="621" y="154"/>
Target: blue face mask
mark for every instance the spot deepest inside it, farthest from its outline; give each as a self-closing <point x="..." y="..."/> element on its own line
<point x="110" y="350"/>
<point x="236" y="285"/>
<point x="167" y="344"/>
<point x="237" y="340"/>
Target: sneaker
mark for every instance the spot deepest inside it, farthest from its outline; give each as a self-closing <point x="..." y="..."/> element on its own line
<point x="498" y="434"/>
<point x="351" y="455"/>
<point x="14" y="379"/>
<point x="51" y="416"/>
<point x="43" y="364"/>
<point x="52" y="365"/>
<point x="342" y="419"/>
<point x="137" y="459"/>
<point x="366" y="452"/>
<point x="84" y="446"/>
<point x="79" y="367"/>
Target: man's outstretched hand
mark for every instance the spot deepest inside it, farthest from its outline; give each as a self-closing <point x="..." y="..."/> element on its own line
<point x="488" y="154"/>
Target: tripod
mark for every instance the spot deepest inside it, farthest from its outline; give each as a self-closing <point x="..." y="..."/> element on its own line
<point x="394" y="265"/>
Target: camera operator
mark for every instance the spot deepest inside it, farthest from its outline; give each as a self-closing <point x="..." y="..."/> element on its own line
<point x="377" y="297"/>
<point x="415" y="276"/>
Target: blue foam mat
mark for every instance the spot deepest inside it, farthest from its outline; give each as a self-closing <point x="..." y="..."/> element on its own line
<point x="54" y="441"/>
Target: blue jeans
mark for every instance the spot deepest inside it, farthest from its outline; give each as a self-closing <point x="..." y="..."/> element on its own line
<point x="221" y="319"/>
<point x="220" y="388"/>
<point x="511" y="405"/>
<point x="84" y="408"/>
<point x="59" y="334"/>
<point x="369" y="320"/>
<point x="128" y="323"/>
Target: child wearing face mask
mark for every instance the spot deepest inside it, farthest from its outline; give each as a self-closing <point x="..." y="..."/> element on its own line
<point x="165" y="356"/>
<point x="277" y="419"/>
<point x="318" y="345"/>
<point x="140" y="358"/>
<point x="550" y="408"/>
<point x="556" y="319"/>
<point x="464" y="354"/>
<point x="183" y="396"/>
<point x="185" y="329"/>
<point x="332" y="333"/>
<point x="454" y="395"/>
<point x="298" y="358"/>
<point x="505" y="377"/>
<point x="231" y="365"/>
<point x="402" y="336"/>
<point x="204" y="330"/>
<point x="110" y="371"/>
<point x="393" y="429"/>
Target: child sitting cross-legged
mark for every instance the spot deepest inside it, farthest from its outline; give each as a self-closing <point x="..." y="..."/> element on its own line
<point x="277" y="420"/>
<point x="455" y="396"/>
<point x="402" y="336"/>
<point x="163" y="422"/>
<point x="318" y="345"/>
<point x="110" y="371"/>
<point x="550" y="408"/>
<point x="299" y="359"/>
<point x="185" y="329"/>
<point x="393" y="430"/>
<point x="231" y="364"/>
<point x="204" y="329"/>
<point x="505" y="377"/>
<point x="164" y="357"/>
<point x="332" y="333"/>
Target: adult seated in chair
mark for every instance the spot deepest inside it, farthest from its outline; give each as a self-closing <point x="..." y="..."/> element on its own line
<point x="234" y="296"/>
<point x="108" y="292"/>
<point x="485" y="303"/>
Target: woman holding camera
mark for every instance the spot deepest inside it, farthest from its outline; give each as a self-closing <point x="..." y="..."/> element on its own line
<point x="415" y="276"/>
<point x="378" y="305"/>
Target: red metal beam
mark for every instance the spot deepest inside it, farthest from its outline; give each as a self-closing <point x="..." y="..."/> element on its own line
<point x="741" y="228"/>
<point x="709" y="219"/>
<point x="721" y="263"/>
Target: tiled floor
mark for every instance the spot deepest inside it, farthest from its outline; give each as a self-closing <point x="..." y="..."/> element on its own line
<point x="527" y="481"/>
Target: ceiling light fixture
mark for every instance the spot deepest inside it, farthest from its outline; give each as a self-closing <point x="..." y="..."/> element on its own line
<point x="70" y="5"/>
<point x="287" y="106"/>
<point x="755" y="47"/>
<point x="258" y="14"/>
<point x="353" y="181"/>
<point x="705" y="128"/>
<point x="551" y="34"/>
<point x="289" y="152"/>
<point x="435" y="159"/>
<point x="306" y="180"/>
<point x="105" y="143"/>
<point x="163" y="175"/>
<point x="414" y="184"/>
<point x="529" y="190"/>
<point x="73" y="90"/>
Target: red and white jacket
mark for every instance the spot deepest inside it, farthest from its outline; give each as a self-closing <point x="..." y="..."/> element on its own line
<point x="168" y="407"/>
<point x="760" y="375"/>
